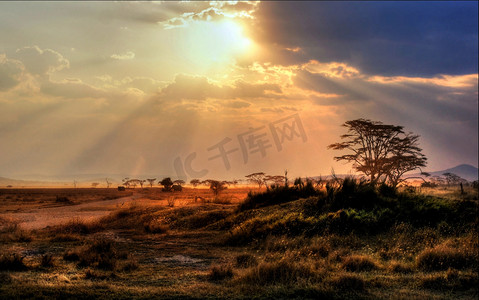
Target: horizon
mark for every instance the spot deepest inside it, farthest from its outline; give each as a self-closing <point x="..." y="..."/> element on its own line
<point x="224" y="89"/>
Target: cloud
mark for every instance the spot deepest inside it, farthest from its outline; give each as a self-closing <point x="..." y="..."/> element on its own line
<point x="381" y="38"/>
<point x="237" y="104"/>
<point x="126" y="56"/>
<point x="216" y="12"/>
<point x="71" y="89"/>
<point x="10" y="72"/>
<point x="200" y="88"/>
<point x="41" y="61"/>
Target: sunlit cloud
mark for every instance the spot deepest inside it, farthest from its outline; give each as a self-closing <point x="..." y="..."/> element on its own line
<point x="41" y="61"/>
<point x="124" y="56"/>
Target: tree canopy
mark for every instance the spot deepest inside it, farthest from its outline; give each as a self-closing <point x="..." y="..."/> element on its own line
<point x="381" y="152"/>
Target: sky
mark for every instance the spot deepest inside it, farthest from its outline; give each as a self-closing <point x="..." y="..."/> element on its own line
<point x="224" y="89"/>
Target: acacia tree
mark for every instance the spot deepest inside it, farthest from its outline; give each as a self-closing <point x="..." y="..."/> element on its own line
<point x="382" y="152"/>
<point x="217" y="186"/>
<point x="195" y="182"/>
<point x="151" y="181"/>
<point x="258" y="178"/>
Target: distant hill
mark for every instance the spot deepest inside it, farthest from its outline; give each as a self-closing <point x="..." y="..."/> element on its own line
<point x="468" y="172"/>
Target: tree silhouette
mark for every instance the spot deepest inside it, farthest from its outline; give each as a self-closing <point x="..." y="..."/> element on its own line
<point x="258" y="178"/>
<point x="453" y="179"/>
<point x="276" y="180"/>
<point x="195" y="182"/>
<point x="108" y="183"/>
<point x="151" y="181"/>
<point x="382" y="152"/>
<point x="95" y="184"/>
<point x="167" y="184"/>
<point x="217" y="186"/>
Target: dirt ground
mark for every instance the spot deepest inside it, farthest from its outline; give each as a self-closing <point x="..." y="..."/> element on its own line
<point x="38" y="208"/>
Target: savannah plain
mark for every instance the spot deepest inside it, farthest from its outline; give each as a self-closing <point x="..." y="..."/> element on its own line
<point x="337" y="240"/>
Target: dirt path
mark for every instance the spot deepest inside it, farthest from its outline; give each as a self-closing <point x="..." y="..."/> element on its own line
<point x="43" y="217"/>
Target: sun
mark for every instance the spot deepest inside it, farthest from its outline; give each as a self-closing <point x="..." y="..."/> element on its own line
<point x="212" y="43"/>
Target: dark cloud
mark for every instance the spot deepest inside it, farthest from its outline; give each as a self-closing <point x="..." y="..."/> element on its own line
<point x="388" y="38"/>
<point x="341" y="87"/>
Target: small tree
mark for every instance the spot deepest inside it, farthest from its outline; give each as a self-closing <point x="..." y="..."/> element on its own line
<point x="151" y="181"/>
<point x="195" y="182"/>
<point x="94" y="184"/>
<point x="453" y="179"/>
<point x="382" y="152"/>
<point x="167" y="184"/>
<point x="276" y="180"/>
<point x="258" y="178"/>
<point x="217" y="186"/>
<point x="108" y="183"/>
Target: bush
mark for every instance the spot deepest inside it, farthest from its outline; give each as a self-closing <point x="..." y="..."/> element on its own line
<point x="220" y="272"/>
<point x="397" y="267"/>
<point x="77" y="226"/>
<point x="100" y="254"/>
<point x="359" y="263"/>
<point x="246" y="261"/>
<point x="279" y="272"/>
<point x="277" y="195"/>
<point x="443" y="257"/>
<point x="47" y="261"/>
<point x="12" y="262"/>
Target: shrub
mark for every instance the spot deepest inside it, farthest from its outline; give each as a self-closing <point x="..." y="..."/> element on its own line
<point x="63" y="199"/>
<point x="246" y="261"/>
<point x="47" y="261"/>
<point x="397" y="267"/>
<point x="12" y="262"/>
<point x="100" y="254"/>
<point x="77" y="226"/>
<point x="359" y="263"/>
<point x="443" y="257"/>
<point x="277" y="195"/>
<point x="71" y="255"/>
<point x="220" y="272"/>
<point x="278" y="272"/>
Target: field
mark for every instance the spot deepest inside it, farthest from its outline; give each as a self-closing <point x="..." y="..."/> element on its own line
<point x="347" y="241"/>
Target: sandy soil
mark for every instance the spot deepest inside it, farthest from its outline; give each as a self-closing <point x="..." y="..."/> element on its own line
<point x="43" y="217"/>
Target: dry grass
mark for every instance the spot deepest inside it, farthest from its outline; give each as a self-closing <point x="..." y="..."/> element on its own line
<point x="76" y="226"/>
<point x="443" y="257"/>
<point x="359" y="263"/>
<point x="125" y="255"/>
<point x="348" y="282"/>
<point x="284" y="272"/>
<point x="220" y="272"/>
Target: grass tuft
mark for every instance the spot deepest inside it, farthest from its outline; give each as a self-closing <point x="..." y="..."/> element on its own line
<point x="443" y="257"/>
<point x="220" y="272"/>
<point x="359" y="263"/>
<point x="246" y="261"/>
